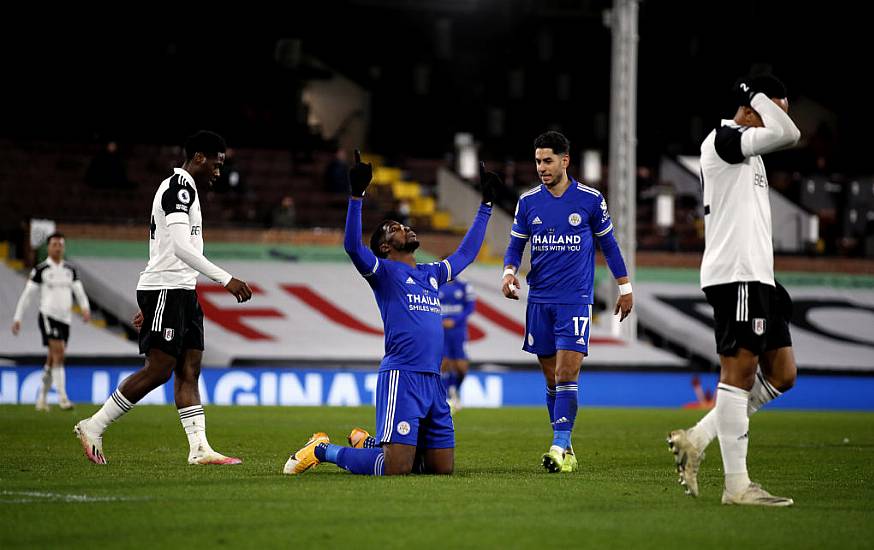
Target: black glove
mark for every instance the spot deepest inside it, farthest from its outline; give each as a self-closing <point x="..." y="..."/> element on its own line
<point x="359" y="176"/>
<point x="489" y="183"/>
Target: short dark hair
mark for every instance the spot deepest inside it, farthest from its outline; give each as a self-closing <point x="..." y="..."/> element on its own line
<point x="765" y="83"/>
<point x="206" y="142"/>
<point x="553" y="140"/>
<point x="378" y="237"/>
<point x="55" y="235"/>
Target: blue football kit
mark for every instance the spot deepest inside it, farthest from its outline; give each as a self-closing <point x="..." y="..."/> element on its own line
<point x="562" y="233"/>
<point x="458" y="301"/>
<point x="411" y="403"/>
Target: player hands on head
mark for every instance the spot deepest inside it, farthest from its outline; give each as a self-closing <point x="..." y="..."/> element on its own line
<point x="751" y="310"/>
<point x="411" y="409"/>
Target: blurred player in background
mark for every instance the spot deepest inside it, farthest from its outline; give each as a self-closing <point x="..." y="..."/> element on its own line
<point x="751" y="310"/>
<point x="562" y="218"/>
<point x="55" y="279"/>
<point x="411" y="407"/>
<point x="458" y="302"/>
<point x="170" y="320"/>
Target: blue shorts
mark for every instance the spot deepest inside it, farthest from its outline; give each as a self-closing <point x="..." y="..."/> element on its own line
<point x="550" y="327"/>
<point x="453" y="343"/>
<point x="411" y="408"/>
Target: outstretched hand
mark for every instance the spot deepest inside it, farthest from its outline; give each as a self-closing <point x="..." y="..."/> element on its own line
<point x="360" y="176"/>
<point x="489" y="183"/>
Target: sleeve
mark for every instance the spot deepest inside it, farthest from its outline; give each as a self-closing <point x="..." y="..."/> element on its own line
<point x="36" y="275"/>
<point x="613" y="255"/>
<point x="363" y="258"/>
<point x="519" y="235"/>
<point x="779" y="131"/>
<point x="602" y="229"/>
<point x="469" y="247"/>
<point x="727" y="144"/>
<point x="176" y="201"/>
<point x="185" y="251"/>
<point x="29" y="290"/>
<point x="78" y="289"/>
<point x="81" y="297"/>
<point x="599" y="218"/>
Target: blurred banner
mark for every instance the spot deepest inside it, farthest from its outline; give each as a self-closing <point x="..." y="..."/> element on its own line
<point x="293" y="387"/>
<point x="326" y="312"/>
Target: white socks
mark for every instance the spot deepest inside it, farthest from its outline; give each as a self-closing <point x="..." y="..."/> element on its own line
<point x="60" y="379"/>
<point x="732" y="426"/>
<point x="194" y="424"/>
<point x="114" y="408"/>
<point x="761" y="394"/>
<point x="46" y="383"/>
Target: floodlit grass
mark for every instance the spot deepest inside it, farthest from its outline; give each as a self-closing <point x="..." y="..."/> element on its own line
<point x="624" y="496"/>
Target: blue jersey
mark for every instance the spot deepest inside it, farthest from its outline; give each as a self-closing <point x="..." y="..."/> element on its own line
<point x="407" y="296"/>
<point x="458" y="301"/>
<point x="411" y="314"/>
<point x="562" y="232"/>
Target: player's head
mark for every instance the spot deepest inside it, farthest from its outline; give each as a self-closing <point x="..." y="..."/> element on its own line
<point x="204" y="156"/>
<point x="393" y="236"/>
<point x="55" y="246"/>
<point x="551" y="156"/>
<point x="765" y="83"/>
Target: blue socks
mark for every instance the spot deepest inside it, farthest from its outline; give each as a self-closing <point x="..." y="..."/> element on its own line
<point x="369" y="462"/>
<point x="564" y="412"/>
<point x="550" y="403"/>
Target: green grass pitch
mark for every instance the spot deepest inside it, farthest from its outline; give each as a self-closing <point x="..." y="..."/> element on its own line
<point x="624" y="496"/>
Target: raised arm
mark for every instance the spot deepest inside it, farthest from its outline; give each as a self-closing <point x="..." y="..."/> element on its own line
<point x="779" y="131"/>
<point x="473" y="240"/>
<point x="364" y="259"/>
<point x="470" y="245"/>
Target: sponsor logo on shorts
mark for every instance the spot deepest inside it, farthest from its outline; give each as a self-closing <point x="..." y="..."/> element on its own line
<point x="168" y="334"/>
<point x="403" y="427"/>
<point x="530" y="339"/>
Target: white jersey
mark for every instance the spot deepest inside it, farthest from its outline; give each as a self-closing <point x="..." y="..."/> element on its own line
<point x="56" y="283"/>
<point x="737" y="211"/>
<point x="176" y="201"/>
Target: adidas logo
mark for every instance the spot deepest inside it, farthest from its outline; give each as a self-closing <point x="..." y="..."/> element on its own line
<point x="410" y="281"/>
<point x="561" y="420"/>
<point x="582" y="341"/>
<point x="536" y="221"/>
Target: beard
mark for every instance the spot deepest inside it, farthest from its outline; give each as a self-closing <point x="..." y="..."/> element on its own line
<point x="409" y="246"/>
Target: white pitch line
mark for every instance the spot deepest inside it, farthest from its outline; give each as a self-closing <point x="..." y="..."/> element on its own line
<point x="36" y="496"/>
